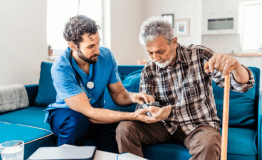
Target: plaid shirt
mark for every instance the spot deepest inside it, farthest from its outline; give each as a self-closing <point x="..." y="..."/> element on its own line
<point x="187" y="88"/>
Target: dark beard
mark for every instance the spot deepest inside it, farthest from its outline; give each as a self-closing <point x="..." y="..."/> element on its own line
<point x="88" y="60"/>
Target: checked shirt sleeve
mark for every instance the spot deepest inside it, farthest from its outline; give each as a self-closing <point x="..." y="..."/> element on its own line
<point x="234" y="85"/>
<point x="146" y="85"/>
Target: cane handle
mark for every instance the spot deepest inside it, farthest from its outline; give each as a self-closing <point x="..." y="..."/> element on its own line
<point x="206" y="66"/>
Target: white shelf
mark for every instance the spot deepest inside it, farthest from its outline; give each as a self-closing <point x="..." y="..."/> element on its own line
<point x="52" y="57"/>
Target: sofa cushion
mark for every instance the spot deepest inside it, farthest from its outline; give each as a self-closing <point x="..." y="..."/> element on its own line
<point x="166" y="151"/>
<point x="241" y="141"/>
<point x="32" y="116"/>
<point x="46" y="92"/>
<point x="131" y="83"/>
<point x="241" y="106"/>
<point x="33" y="137"/>
<point x="241" y="145"/>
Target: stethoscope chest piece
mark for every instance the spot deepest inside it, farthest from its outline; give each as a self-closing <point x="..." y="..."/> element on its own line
<point x="90" y="85"/>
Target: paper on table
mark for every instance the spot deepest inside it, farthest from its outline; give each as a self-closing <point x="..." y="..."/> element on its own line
<point x="68" y="152"/>
<point x="129" y="156"/>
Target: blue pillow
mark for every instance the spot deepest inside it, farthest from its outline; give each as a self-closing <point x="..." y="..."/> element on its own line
<point x="241" y="106"/>
<point x="46" y="92"/>
<point x="131" y="83"/>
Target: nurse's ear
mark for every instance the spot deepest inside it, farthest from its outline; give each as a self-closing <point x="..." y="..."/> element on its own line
<point x="72" y="46"/>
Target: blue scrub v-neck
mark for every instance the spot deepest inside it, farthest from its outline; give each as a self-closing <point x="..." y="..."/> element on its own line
<point x="84" y="77"/>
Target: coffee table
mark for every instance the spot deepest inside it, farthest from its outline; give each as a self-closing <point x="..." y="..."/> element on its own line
<point x="102" y="155"/>
<point x="99" y="155"/>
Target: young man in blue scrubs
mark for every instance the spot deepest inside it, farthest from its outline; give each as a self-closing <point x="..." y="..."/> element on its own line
<point x="80" y="76"/>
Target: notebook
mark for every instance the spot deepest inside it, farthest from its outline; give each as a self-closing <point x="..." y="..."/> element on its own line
<point x="64" y="153"/>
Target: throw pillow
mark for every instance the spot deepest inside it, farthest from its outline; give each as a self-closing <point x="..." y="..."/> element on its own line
<point x="13" y="97"/>
<point x="46" y="92"/>
<point x="241" y="106"/>
<point x="131" y="83"/>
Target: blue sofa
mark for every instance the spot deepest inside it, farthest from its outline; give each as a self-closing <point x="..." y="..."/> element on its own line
<point x="244" y="137"/>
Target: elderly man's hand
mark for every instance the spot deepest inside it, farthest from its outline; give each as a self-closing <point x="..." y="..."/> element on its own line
<point x="222" y="63"/>
<point x="157" y="113"/>
<point x="141" y="98"/>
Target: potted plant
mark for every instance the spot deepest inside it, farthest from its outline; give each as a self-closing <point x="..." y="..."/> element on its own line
<point x="50" y="50"/>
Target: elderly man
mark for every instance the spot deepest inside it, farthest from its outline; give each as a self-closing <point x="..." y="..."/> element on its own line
<point x="176" y="76"/>
<point x="80" y="76"/>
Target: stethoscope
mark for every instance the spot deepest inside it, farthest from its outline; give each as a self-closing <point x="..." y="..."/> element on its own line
<point x="90" y="84"/>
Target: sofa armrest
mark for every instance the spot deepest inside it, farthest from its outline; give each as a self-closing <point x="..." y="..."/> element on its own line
<point x="31" y="92"/>
<point x="259" y="127"/>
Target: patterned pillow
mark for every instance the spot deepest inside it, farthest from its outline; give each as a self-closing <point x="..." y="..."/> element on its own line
<point x="13" y="97"/>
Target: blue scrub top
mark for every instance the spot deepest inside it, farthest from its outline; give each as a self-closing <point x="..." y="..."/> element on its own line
<point x="66" y="84"/>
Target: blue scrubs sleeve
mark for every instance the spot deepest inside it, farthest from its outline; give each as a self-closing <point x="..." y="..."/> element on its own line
<point x="114" y="76"/>
<point x="65" y="84"/>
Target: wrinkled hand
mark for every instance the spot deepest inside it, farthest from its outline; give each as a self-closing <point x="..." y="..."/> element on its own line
<point x="222" y="63"/>
<point x="142" y="98"/>
<point x="157" y="113"/>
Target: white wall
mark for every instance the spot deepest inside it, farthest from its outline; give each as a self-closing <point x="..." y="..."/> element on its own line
<point x="222" y="43"/>
<point x="181" y="9"/>
<point x="22" y="40"/>
<point x="23" y="34"/>
<point x="190" y="9"/>
<point x="126" y="19"/>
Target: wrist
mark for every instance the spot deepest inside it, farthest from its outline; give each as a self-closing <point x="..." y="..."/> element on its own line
<point x="240" y="74"/>
<point x="132" y="116"/>
<point x="238" y="68"/>
<point x="131" y="95"/>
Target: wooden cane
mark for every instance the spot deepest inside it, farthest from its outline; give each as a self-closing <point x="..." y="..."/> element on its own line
<point x="225" y="112"/>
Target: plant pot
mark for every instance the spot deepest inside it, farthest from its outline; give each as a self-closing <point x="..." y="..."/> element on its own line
<point x="50" y="52"/>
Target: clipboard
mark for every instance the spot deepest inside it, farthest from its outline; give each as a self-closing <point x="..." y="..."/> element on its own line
<point x="64" y="153"/>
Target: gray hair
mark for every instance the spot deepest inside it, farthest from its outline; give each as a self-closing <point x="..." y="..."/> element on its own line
<point x="153" y="27"/>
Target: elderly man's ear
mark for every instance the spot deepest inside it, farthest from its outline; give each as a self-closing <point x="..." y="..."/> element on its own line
<point x="174" y="42"/>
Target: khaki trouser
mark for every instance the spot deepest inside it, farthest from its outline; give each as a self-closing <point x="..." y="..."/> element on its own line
<point x="204" y="143"/>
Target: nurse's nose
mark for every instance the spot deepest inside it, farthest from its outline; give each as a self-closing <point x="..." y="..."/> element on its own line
<point x="97" y="50"/>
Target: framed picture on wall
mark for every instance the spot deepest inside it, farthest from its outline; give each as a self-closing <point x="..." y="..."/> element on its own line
<point x="182" y="27"/>
<point x="170" y="18"/>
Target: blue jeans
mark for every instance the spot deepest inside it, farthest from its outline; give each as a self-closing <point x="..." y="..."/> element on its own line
<point x="71" y="127"/>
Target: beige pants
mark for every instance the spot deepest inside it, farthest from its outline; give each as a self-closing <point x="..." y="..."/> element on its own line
<point x="204" y="143"/>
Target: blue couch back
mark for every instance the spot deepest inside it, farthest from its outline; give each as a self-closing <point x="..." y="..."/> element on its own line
<point x="243" y="106"/>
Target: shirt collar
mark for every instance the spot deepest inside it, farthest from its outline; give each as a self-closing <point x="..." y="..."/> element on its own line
<point x="180" y="55"/>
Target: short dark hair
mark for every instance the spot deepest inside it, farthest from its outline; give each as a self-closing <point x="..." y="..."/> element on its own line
<point x="77" y="26"/>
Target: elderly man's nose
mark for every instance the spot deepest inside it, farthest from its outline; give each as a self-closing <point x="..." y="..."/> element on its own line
<point x="155" y="57"/>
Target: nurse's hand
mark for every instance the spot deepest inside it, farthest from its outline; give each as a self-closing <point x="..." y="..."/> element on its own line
<point x="141" y="98"/>
<point x="157" y="113"/>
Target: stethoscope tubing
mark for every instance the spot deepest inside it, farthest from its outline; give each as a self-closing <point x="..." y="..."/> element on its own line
<point x="78" y="77"/>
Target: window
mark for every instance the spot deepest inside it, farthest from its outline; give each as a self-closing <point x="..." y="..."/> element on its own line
<point x="251" y="26"/>
<point x="59" y="12"/>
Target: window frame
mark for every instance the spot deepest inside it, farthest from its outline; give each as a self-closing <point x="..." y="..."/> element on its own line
<point x="57" y="52"/>
<point x="241" y="26"/>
